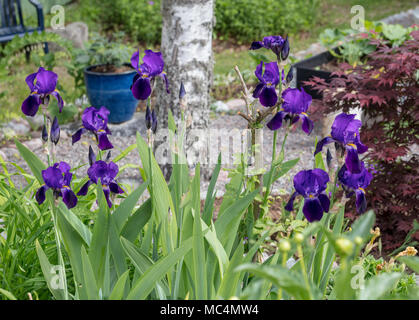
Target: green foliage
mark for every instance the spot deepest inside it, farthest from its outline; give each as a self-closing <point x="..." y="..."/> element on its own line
<point x="241" y="20"/>
<point x="248" y="21"/>
<point x="354" y="46"/>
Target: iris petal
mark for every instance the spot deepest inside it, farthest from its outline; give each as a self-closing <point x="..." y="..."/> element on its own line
<point x="135" y="59"/>
<point x="268" y="97"/>
<point x="166" y="81"/>
<point x="46" y="81"/>
<point x="115" y="188"/>
<point x="313" y="209"/>
<point x="104" y="143"/>
<point x="31" y="105"/>
<point x="83" y="190"/>
<point x="352" y="160"/>
<point x="141" y="89"/>
<point x="325" y="202"/>
<point x="361" y="201"/>
<point x="107" y="193"/>
<point x="276" y="122"/>
<point x="40" y="194"/>
<point x="53" y="177"/>
<point x="256" y="45"/>
<point x="307" y="125"/>
<point x="322" y="143"/>
<point x="60" y="101"/>
<point x="290" y="204"/>
<point x="69" y="198"/>
<point x="258" y="89"/>
<point x="77" y="136"/>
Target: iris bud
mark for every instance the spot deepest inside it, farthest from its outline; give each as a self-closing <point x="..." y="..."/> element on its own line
<point x="182" y="91"/>
<point x="344" y="246"/>
<point x="44" y="134"/>
<point x="328" y="158"/>
<point x="285" y="49"/>
<point x="154" y="122"/>
<point x="92" y="156"/>
<point x="55" y="131"/>
<point x="148" y="118"/>
<point x="290" y="75"/>
<point x="358" y="240"/>
<point x="299" y="238"/>
<point x="284" y="245"/>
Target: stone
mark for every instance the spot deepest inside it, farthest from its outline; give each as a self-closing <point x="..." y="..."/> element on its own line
<point x="130" y="127"/>
<point x="76" y="32"/>
<point x="220" y="106"/>
<point x="36" y="122"/>
<point x="236" y="105"/>
<point x="16" y="127"/>
<point x="33" y="144"/>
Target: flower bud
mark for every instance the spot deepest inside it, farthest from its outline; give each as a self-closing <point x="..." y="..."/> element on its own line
<point x="299" y="238"/>
<point x="148" y="118"/>
<point x="284" y="245"/>
<point x="344" y="246"/>
<point x="358" y="240"/>
<point x="285" y="49"/>
<point x="55" y="131"/>
<point x="92" y="156"/>
<point x="44" y="134"/>
<point x="182" y="91"/>
<point x="153" y="122"/>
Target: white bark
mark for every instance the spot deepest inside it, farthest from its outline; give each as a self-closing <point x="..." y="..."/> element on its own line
<point x="187" y="51"/>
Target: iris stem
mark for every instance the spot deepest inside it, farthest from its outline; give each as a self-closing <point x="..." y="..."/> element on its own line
<point x="303" y="269"/>
<point x="284" y="264"/>
<point x="60" y="256"/>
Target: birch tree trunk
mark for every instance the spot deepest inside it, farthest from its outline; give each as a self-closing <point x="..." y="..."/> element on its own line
<point x="187" y="51"/>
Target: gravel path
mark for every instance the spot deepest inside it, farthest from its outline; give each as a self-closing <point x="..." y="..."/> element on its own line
<point x="298" y="145"/>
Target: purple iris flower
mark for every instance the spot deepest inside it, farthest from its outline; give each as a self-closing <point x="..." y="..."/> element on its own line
<point x="356" y="182"/>
<point x="42" y="84"/>
<point x="265" y="90"/>
<point x="152" y="66"/>
<point x="106" y="172"/>
<point x="294" y="108"/>
<point x="311" y="184"/>
<point x="58" y="178"/>
<point x="95" y="121"/>
<point x="277" y="44"/>
<point x="345" y="133"/>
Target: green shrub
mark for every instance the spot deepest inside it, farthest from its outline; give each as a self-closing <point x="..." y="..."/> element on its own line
<point x="249" y="20"/>
<point x="241" y="20"/>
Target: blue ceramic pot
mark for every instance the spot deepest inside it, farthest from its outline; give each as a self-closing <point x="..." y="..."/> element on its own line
<point x="111" y="90"/>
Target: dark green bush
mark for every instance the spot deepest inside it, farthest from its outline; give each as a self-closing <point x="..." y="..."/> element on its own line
<point x="249" y="20"/>
<point x="241" y="20"/>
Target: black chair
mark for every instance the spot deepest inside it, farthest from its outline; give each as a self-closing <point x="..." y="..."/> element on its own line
<point x="12" y="20"/>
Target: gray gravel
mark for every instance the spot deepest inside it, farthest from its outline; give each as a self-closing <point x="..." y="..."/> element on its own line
<point x="298" y="145"/>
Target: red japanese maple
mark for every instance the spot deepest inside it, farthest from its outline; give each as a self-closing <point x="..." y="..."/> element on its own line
<point x="386" y="88"/>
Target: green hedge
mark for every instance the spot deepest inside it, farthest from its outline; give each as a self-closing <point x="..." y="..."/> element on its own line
<point x="241" y="20"/>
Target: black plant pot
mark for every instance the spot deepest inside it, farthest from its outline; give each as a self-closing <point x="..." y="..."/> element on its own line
<point x="305" y="70"/>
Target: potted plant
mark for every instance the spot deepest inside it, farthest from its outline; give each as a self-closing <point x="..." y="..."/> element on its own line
<point x="108" y="76"/>
<point x="348" y="46"/>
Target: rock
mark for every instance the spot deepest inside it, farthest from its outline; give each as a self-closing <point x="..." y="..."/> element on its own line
<point x="129" y="128"/>
<point x="220" y="106"/>
<point x="33" y="144"/>
<point x="16" y="127"/>
<point x="36" y="122"/>
<point x="236" y="105"/>
<point x="76" y="32"/>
